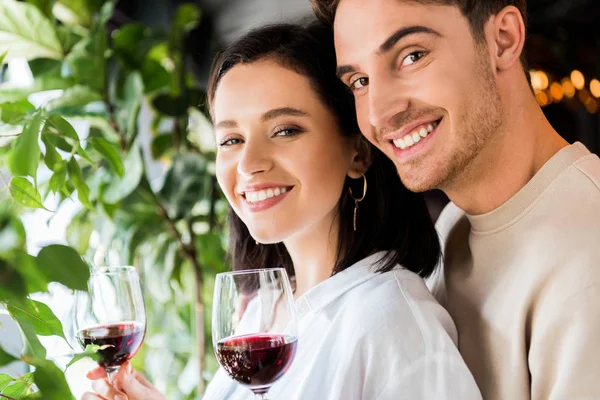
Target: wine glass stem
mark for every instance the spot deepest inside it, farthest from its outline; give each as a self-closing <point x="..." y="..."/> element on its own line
<point x="111" y="373"/>
<point x="261" y="396"/>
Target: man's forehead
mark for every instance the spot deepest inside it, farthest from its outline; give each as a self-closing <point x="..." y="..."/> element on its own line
<point x="362" y="26"/>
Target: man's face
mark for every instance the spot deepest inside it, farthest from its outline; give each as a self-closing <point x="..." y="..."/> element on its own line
<point x="424" y="89"/>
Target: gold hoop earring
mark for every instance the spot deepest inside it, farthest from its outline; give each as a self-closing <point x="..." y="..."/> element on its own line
<point x="358" y="200"/>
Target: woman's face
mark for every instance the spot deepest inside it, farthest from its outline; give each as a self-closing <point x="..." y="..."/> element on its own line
<point x="281" y="159"/>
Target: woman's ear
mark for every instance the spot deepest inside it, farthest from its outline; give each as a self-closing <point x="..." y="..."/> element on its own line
<point x="363" y="157"/>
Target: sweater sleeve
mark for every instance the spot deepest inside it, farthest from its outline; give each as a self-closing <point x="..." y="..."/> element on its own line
<point x="564" y="356"/>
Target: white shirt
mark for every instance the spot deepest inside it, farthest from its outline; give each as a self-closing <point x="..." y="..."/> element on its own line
<point x="368" y="336"/>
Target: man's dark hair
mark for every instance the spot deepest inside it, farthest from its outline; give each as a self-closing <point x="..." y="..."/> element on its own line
<point x="390" y="217"/>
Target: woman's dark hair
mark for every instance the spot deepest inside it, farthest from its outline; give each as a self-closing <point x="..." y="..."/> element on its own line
<point x="389" y="218"/>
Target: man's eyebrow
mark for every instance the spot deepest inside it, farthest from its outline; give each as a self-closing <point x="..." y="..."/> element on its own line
<point x="404" y="32"/>
<point x="389" y="43"/>
<point x="277" y="112"/>
<point x="343" y="70"/>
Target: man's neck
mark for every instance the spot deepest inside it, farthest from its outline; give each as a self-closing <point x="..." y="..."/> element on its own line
<point x="508" y="162"/>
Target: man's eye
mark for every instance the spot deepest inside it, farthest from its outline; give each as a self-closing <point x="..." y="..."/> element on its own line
<point x="230" y="142"/>
<point x="412" y="58"/>
<point x="359" y="83"/>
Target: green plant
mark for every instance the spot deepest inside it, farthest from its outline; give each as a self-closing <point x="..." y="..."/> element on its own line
<point x="171" y="227"/>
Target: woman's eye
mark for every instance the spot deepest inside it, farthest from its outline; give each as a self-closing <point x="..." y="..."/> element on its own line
<point x="286" y="132"/>
<point x="359" y="83"/>
<point x="230" y="142"/>
<point x="412" y="58"/>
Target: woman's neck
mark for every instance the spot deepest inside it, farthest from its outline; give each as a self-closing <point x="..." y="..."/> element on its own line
<point x="314" y="254"/>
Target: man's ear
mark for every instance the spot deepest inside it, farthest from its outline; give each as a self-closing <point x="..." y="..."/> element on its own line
<point x="505" y="33"/>
<point x="363" y="157"/>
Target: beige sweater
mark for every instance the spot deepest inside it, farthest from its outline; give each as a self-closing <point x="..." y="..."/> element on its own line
<point x="522" y="284"/>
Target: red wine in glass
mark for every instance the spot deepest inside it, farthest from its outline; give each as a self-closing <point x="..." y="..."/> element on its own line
<point x="119" y="342"/>
<point x="255" y="334"/>
<point x="256" y="361"/>
<point x="111" y="314"/>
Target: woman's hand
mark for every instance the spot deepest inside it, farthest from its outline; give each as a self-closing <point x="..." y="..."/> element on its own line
<point x="128" y="384"/>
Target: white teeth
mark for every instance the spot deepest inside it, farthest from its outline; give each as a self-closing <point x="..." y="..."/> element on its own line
<point x="399" y="143"/>
<point x="415" y="137"/>
<point x="261" y="195"/>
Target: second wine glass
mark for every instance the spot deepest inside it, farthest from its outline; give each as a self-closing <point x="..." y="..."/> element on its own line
<point x="111" y="315"/>
<point x="254" y="326"/>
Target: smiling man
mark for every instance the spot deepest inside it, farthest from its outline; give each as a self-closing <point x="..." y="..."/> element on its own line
<point x="441" y="88"/>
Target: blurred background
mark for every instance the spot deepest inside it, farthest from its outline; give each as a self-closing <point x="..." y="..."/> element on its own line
<point x="162" y="210"/>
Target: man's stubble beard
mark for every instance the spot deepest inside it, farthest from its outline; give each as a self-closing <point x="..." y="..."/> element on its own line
<point x="478" y="125"/>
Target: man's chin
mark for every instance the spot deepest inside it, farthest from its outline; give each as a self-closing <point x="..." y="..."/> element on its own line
<point x="419" y="182"/>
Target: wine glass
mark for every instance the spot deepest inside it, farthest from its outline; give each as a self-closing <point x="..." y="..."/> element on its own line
<point x="111" y="315"/>
<point x="254" y="326"/>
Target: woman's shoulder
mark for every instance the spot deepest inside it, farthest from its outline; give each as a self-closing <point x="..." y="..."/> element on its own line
<point x="399" y="302"/>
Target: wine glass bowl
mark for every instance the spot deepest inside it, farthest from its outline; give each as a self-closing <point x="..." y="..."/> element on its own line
<point x="254" y="326"/>
<point x="112" y="316"/>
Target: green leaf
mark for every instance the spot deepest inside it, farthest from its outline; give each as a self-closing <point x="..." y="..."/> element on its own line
<point x="134" y="92"/>
<point x="16" y="391"/>
<point x="161" y="144"/>
<point x="12" y="286"/>
<point x="131" y="43"/>
<point x="5" y="380"/>
<point x="64" y="265"/>
<point x="26" y="33"/>
<point x="58" y="142"/>
<point x="109" y="151"/>
<point x="77" y="12"/>
<point x="177" y="106"/>
<point x="5" y="358"/>
<point x="12" y="234"/>
<point x="2" y="56"/>
<point x="83" y="191"/>
<point x="25" y="193"/>
<point x="25" y="156"/>
<point x="12" y="110"/>
<point x="86" y="61"/>
<point x="91" y="351"/>
<point x="51" y="381"/>
<point x="76" y="96"/>
<point x="27" y="267"/>
<point x="33" y="348"/>
<point x="63" y="127"/>
<point x="187" y="18"/>
<point x="52" y="159"/>
<point x="57" y="181"/>
<point x="187" y="183"/>
<point x="118" y="189"/>
<point x="79" y="232"/>
<point x="39" y="315"/>
<point x="45" y="6"/>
